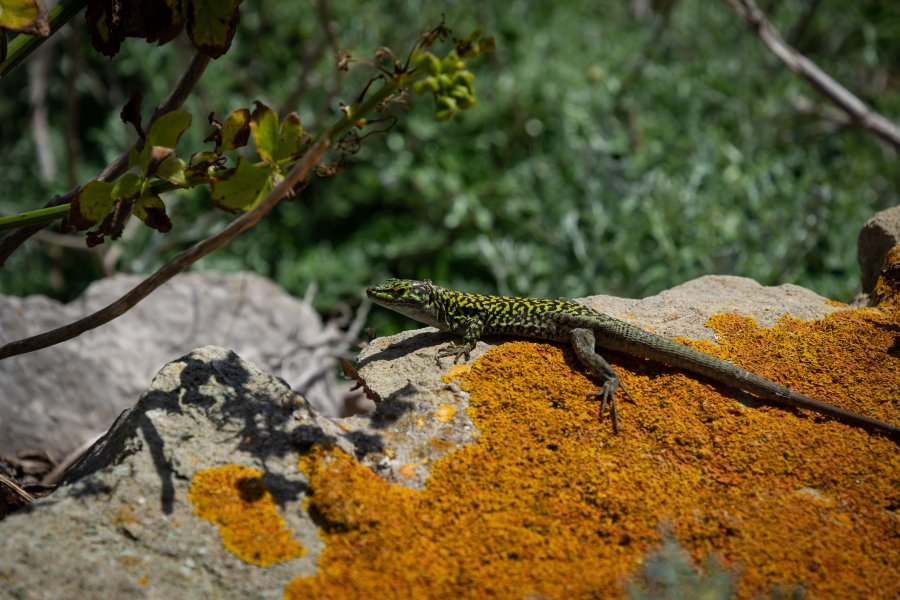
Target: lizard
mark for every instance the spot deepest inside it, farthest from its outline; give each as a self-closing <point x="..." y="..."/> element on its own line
<point x="472" y="316"/>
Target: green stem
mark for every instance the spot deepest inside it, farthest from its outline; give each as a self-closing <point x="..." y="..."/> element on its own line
<point x="23" y="44"/>
<point x="41" y="215"/>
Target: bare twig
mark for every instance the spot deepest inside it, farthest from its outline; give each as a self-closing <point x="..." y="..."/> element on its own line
<point x="180" y="92"/>
<point x="178" y="264"/>
<point x="816" y="77"/>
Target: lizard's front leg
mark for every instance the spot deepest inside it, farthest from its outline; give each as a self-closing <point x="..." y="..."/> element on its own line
<point x="583" y="343"/>
<point x="470" y="328"/>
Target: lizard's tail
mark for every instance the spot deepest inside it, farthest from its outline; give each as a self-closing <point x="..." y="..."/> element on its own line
<point x="666" y="351"/>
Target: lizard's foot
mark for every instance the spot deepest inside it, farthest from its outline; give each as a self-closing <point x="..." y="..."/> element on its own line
<point x="456" y="351"/>
<point x="607" y="396"/>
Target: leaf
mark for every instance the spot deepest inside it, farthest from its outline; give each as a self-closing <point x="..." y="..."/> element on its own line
<point x="235" y="130"/>
<point x="167" y="130"/>
<point x="92" y="203"/>
<point x="289" y="138"/>
<point x="24" y="16"/>
<point x="114" y="222"/>
<point x="128" y="185"/>
<point x="264" y="126"/>
<point x="131" y="112"/>
<point x="110" y="23"/>
<point x="95" y="200"/>
<point x="151" y="157"/>
<point x="211" y="25"/>
<point x="241" y="189"/>
<point x="152" y="210"/>
<point x="172" y="170"/>
<point x="105" y="38"/>
<point x="201" y="162"/>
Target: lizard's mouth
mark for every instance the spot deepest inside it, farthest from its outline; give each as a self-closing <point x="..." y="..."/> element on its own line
<point x="384" y="298"/>
<point x="375" y="294"/>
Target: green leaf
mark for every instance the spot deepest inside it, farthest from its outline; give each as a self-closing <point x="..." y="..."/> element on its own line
<point x="151" y="157"/>
<point x="242" y="188"/>
<point x="95" y="200"/>
<point x="264" y="126"/>
<point x="127" y="185"/>
<point x="152" y="210"/>
<point x="167" y="130"/>
<point x="289" y="138"/>
<point x="211" y="25"/>
<point x="172" y="170"/>
<point x="235" y="130"/>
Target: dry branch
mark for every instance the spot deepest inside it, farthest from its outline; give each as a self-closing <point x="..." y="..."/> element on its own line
<point x="827" y="87"/>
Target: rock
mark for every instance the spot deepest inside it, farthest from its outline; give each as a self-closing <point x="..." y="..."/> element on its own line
<point x="124" y="527"/>
<point x="55" y="399"/>
<point x="878" y="235"/>
<point x="129" y="521"/>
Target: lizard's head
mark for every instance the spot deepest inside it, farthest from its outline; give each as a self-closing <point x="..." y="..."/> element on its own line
<point x="415" y="299"/>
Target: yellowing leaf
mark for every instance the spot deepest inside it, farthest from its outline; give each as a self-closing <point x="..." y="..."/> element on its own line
<point x="242" y="188"/>
<point x="167" y="130"/>
<point x="235" y="130"/>
<point x="151" y="210"/>
<point x="127" y="185"/>
<point x="95" y="200"/>
<point x="24" y="16"/>
<point x="264" y="126"/>
<point x="211" y="25"/>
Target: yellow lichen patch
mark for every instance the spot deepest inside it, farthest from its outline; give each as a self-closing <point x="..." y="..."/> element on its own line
<point x="456" y="372"/>
<point x="444" y="413"/>
<point x="234" y="498"/>
<point x="549" y="503"/>
<point x="407" y="470"/>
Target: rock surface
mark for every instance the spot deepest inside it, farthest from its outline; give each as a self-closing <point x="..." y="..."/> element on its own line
<point x="878" y="235"/>
<point x="57" y="398"/>
<point x="124" y="526"/>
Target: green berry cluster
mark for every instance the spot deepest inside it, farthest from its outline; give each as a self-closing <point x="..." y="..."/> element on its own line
<point x="447" y="80"/>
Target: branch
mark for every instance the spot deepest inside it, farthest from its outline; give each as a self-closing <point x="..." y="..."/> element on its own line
<point x="24" y="44"/>
<point x="180" y="92"/>
<point x="816" y="77"/>
<point x="299" y="172"/>
<point x="178" y="264"/>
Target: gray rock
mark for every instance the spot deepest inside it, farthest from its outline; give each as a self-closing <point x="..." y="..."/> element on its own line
<point x="878" y="235"/>
<point x="55" y="399"/>
<point x="124" y="527"/>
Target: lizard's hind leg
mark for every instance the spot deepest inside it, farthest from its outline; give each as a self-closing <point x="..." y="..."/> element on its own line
<point x="584" y="345"/>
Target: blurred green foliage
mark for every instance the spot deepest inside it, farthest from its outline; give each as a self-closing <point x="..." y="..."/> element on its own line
<point x="613" y="149"/>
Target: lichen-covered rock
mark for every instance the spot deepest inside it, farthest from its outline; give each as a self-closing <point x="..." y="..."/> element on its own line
<point x="134" y="519"/>
<point x="495" y="478"/>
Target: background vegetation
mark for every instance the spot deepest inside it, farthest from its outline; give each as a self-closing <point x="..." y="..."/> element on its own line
<point x="614" y="149"/>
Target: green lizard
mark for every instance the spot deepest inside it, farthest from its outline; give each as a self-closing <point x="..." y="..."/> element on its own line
<point x="474" y="315"/>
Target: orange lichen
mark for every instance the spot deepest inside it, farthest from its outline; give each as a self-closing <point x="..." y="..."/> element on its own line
<point x="444" y="413"/>
<point x="548" y="502"/>
<point x="407" y="470"/>
<point x="234" y="498"/>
